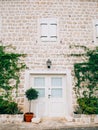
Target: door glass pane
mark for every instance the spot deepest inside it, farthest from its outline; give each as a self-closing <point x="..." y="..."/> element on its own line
<point x="56" y="92"/>
<point x="41" y="92"/>
<point x="39" y="82"/>
<point x="56" y="82"/>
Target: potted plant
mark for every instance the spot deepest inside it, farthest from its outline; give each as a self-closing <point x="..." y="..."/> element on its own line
<point x="31" y="94"/>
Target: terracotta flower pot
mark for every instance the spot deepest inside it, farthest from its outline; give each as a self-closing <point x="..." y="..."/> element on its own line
<point x="28" y="117"/>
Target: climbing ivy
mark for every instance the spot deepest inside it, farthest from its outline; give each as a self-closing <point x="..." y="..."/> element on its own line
<point x="10" y="67"/>
<point x="86" y="83"/>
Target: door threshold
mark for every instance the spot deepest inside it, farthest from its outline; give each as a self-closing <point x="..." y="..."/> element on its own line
<point x="54" y="118"/>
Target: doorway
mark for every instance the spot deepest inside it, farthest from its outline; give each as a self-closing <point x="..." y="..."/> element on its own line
<point x="52" y="95"/>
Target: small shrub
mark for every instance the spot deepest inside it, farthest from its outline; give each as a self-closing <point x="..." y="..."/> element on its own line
<point x="7" y="107"/>
<point x="31" y="94"/>
<point x="87" y="106"/>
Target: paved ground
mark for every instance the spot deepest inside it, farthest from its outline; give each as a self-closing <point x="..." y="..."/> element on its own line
<point x="48" y="125"/>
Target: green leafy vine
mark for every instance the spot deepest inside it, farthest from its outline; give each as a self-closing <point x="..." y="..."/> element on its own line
<point x="10" y="67"/>
<point x="86" y="83"/>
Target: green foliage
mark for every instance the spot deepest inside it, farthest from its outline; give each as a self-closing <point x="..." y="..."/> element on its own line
<point x="7" y="107"/>
<point x="87" y="105"/>
<point x="10" y="67"/>
<point x="31" y="94"/>
<point x="86" y="85"/>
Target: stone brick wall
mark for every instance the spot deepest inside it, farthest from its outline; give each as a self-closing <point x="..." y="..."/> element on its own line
<point x="20" y="28"/>
<point x="79" y="119"/>
<point x="6" y="118"/>
<point x="85" y="119"/>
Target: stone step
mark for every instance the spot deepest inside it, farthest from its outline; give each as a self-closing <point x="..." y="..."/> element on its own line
<point x="46" y="126"/>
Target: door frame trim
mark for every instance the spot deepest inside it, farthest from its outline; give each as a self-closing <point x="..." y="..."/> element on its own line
<point x="66" y="72"/>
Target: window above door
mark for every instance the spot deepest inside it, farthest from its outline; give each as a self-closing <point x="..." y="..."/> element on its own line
<point x="48" y="30"/>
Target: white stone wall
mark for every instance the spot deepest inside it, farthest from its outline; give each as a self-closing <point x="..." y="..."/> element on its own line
<point x="20" y="28"/>
<point x="85" y="119"/>
<point x="79" y="119"/>
<point x="6" y="118"/>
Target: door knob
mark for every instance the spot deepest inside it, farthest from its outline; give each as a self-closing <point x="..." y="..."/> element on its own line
<point x="49" y="96"/>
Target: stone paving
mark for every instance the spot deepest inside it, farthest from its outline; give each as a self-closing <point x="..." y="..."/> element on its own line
<point x="48" y="125"/>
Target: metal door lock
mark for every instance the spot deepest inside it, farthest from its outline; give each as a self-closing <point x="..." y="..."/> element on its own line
<point x="49" y="96"/>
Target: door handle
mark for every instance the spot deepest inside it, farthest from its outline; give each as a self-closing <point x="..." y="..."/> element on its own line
<point x="49" y="96"/>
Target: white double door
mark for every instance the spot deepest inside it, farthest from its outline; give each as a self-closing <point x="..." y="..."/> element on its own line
<point x="52" y="95"/>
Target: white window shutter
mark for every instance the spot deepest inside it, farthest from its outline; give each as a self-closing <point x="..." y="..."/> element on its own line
<point x="43" y="30"/>
<point x="53" y="30"/>
<point x="48" y="29"/>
